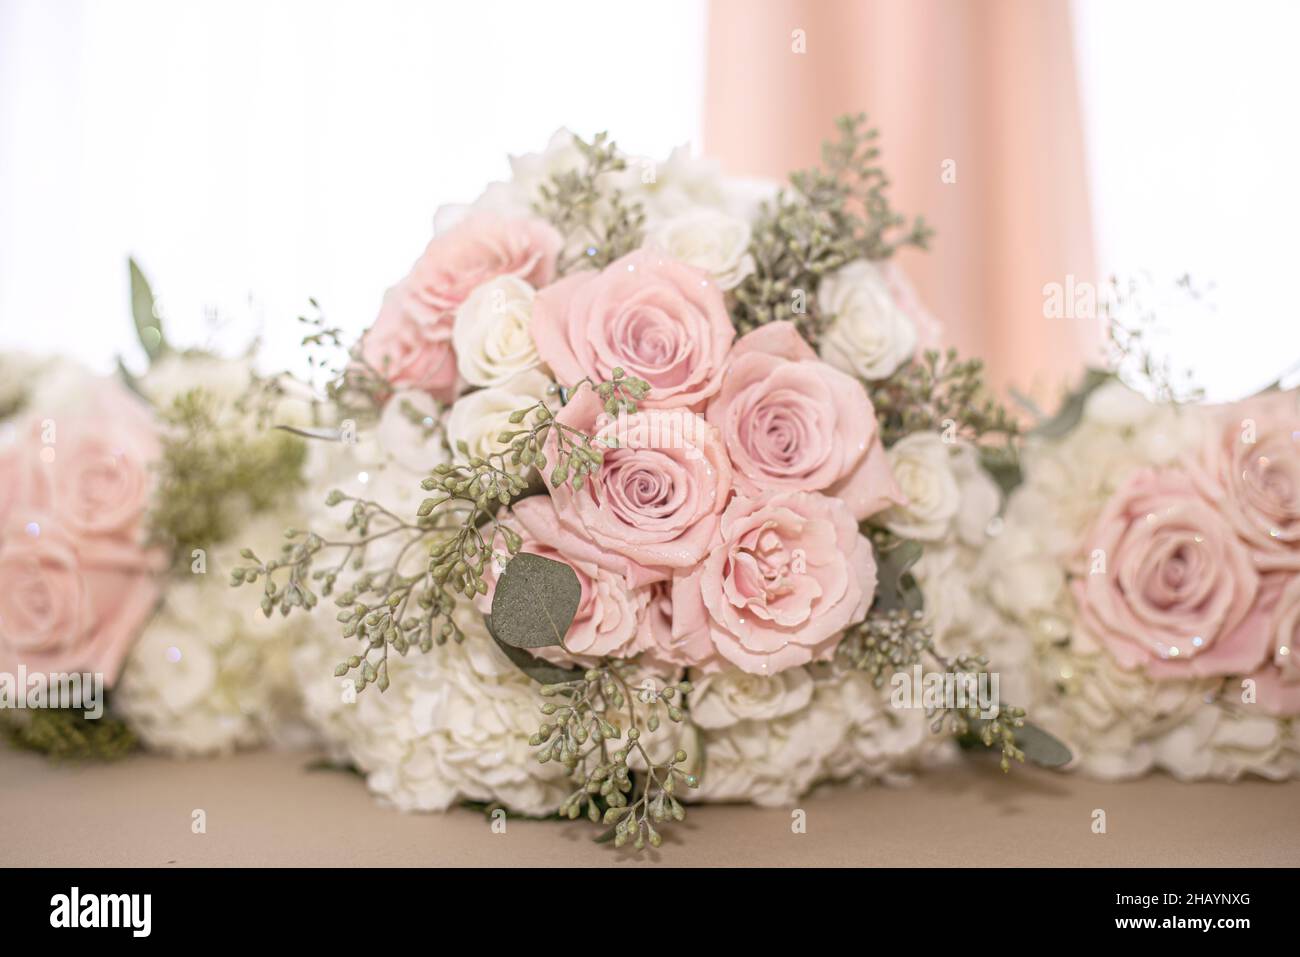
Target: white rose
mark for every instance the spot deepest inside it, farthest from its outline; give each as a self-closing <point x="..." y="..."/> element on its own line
<point x="947" y="490"/>
<point x="479" y="417"/>
<point x="682" y="182"/>
<point x="709" y="240"/>
<point x="746" y="196"/>
<point x="491" y="332"/>
<point x="1115" y="405"/>
<point x="870" y="336"/>
<point x="723" y="699"/>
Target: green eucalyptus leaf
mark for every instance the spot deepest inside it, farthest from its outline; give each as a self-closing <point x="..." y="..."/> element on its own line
<point x="535" y="601"/>
<point x="895" y="587"/>
<point x="1042" y="748"/>
<point x="1002" y="467"/>
<point x="130" y="381"/>
<point x="325" y="435"/>
<point x="607" y="836"/>
<point x="1071" y="411"/>
<point x="148" y="327"/>
<point x="543" y="672"/>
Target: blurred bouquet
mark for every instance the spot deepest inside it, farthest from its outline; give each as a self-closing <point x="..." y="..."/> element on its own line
<point x="1150" y="560"/>
<point x="121" y="500"/>
<point x="625" y="489"/>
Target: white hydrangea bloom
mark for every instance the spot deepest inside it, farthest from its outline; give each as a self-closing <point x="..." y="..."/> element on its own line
<point x="210" y="673"/>
<point x="453" y="725"/>
<point x="1119" y="724"/>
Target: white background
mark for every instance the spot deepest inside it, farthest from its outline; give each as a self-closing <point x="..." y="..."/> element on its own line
<point x="287" y="150"/>
<point x="1190" y="113"/>
<point x="251" y="155"/>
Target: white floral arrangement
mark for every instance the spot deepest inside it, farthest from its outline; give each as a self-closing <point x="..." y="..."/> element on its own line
<point x="633" y="495"/>
<point x="1149" y="562"/>
<point x="125" y="503"/>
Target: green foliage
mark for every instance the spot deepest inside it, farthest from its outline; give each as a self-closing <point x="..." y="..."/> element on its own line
<point x="1071" y="411"/>
<point x="828" y="217"/>
<point x="894" y="640"/>
<point x="210" y="469"/>
<point x="534" y="602"/>
<point x="67" y="734"/>
<point x="896" y="589"/>
<point x="458" y="525"/>
<point x="598" y="224"/>
<point x="583" y="730"/>
<point x="940" y="393"/>
<point x="144" y="311"/>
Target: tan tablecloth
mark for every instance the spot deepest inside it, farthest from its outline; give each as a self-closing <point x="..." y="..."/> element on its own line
<point x="266" y="809"/>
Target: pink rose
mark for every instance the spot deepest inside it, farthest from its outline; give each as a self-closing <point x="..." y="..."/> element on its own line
<point x="657" y="498"/>
<point x="656" y="639"/>
<point x="1253" y="461"/>
<point x="10" y="479"/>
<point x="1169" y="586"/>
<point x="409" y="355"/>
<point x="660" y="320"/>
<point x="610" y="610"/>
<point x="79" y="582"/>
<point x="92" y="469"/>
<point x="70" y="603"/>
<point x="789" y="573"/>
<point x="410" y="342"/>
<point x="791" y="421"/>
<point x="1277" y="683"/>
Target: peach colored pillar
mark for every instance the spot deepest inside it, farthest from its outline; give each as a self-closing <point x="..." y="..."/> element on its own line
<point x="987" y="84"/>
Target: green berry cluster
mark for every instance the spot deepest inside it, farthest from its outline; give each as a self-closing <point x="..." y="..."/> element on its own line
<point x="583" y="731"/>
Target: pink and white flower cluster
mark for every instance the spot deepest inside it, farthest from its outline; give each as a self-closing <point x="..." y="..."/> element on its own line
<point x="723" y="528"/>
<point x="1167" y="546"/>
<point x="75" y="485"/>
<point x="722" y="536"/>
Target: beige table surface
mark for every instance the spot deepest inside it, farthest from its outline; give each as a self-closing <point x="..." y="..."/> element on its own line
<point x="268" y="809"/>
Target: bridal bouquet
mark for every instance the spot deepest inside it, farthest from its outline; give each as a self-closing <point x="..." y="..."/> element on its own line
<point x="1150" y="560"/>
<point x="624" y="491"/>
<point x="123" y="504"/>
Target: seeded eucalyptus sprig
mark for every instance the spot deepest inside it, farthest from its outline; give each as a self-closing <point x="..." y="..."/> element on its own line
<point x="828" y="217"/>
<point x="457" y="526"/>
<point x="598" y="224"/>
<point x="582" y="731"/>
<point x="381" y="609"/>
<point x="893" y="641"/>
<point x="940" y="393"/>
<point x="480" y="486"/>
<point x="206" y="465"/>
